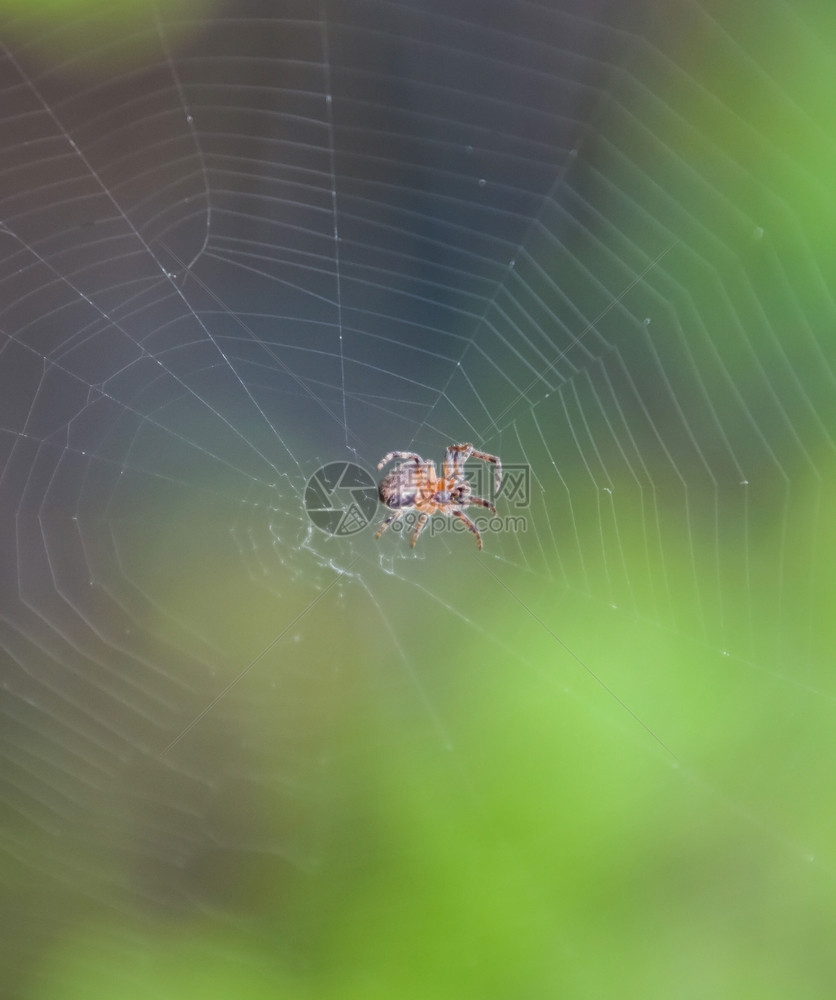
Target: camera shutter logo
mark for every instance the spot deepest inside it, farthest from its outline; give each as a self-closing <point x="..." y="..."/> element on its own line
<point x="341" y="498"/>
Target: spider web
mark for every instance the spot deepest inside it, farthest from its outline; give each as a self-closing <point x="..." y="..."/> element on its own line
<point x="241" y="242"/>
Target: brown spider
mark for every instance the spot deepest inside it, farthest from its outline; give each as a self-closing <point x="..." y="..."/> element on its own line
<point x="413" y="484"/>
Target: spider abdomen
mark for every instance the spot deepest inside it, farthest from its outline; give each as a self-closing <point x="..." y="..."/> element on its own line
<point x="398" y="490"/>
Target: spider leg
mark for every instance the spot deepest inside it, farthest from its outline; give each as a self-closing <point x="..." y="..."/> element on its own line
<point x="490" y="458"/>
<point x="430" y="473"/>
<point x="387" y="521"/>
<point x="419" y="527"/>
<point x="470" y="524"/>
<point x="408" y="456"/>
<point x="454" y="459"/>
<point x="479" y="501"/>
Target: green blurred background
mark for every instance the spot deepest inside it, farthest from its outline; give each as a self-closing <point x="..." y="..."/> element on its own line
<point x="595" y="759"/>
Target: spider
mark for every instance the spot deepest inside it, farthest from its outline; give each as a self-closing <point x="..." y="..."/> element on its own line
<point x="413" y="484"/>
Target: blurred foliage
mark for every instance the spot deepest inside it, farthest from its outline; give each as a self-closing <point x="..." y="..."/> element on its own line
<point x="89" y="37"/>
